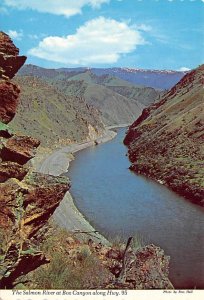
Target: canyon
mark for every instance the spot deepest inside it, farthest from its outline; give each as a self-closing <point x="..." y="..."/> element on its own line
<point x="61" y="107"/>
<point x="28" y="200"/>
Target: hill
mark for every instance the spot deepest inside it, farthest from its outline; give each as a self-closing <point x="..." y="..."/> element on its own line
<point x="166" y="141"/>
<point x="45" y="112"/>
<point x="115" y="108"/>
<point x="119" y="101"/>
<point x="138" y="93"/>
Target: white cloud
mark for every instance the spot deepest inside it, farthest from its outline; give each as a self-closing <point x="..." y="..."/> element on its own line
<point x="183" y="69"/>
<point x="58" y="7"/>
<point x="98" y="41"/>
<point x="15" y="34"/>
<point x="143" y="27"/>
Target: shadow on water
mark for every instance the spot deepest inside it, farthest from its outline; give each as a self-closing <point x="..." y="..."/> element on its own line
<point x="117" y="201"/>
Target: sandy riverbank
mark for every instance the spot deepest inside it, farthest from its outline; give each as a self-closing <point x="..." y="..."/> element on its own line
<point x="117" y="126"/>
<point x="56" y="163"/>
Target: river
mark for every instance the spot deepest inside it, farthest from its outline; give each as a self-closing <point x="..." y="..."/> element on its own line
<point x="117" y="202"/>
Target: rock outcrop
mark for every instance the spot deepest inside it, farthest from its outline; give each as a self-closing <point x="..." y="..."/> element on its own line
<point x="27" y="200"/>
<point x="10" y="61"/>
<point x="166" y="141"/>
<point x="98" y="266"/>
<point x="145" y="268"/>
<point x="10" y="169"/>
<point x="19" y="149"/>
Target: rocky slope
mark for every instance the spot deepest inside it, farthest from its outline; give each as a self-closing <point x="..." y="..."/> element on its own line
<point x="53" y="117"/>
<point x="119" y="101"/>
<point x="27" y="199"/>
<point x="90" y="265"/>
<point x="166" y="141"/>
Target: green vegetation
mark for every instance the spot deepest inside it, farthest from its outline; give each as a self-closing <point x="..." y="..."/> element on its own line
<point x="70" y="268"/>
<point x="4" y="127"/>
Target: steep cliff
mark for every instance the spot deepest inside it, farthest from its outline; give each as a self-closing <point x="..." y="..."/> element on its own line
<point x="166" y="141"/>
<point x="27" y="199"/>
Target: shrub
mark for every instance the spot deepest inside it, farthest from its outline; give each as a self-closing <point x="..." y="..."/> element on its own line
<point x="67" y="270"/>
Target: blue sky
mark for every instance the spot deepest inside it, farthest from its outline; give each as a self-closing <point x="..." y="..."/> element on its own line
<point x="148" y="34"/>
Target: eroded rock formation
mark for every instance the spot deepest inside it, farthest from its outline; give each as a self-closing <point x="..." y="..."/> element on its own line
<point x="27" y="200"/>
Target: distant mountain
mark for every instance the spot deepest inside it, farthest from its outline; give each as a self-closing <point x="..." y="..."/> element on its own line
<point x="151" y="78"/>
<point x="47" y="113"/>
<point x="140" y="95"/>
<point x="115" y="109"/>
<point x="157" y="79"/>
<point x="118" y="100"/>
<point x="166" y="141"/>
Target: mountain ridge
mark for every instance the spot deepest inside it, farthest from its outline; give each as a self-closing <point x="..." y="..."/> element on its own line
<point x="117" y="100"/>
<point x="166" y="141"/>
<point x="159" y="79"/>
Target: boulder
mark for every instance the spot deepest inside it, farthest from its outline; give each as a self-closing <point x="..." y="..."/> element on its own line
<point x="19" y="149"/>
<point x="10" y="61"/>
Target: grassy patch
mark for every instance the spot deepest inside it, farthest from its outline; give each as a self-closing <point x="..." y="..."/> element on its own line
<point x="71" y="266"/>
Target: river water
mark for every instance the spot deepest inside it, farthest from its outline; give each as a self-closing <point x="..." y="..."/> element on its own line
<point x="118" y="202"/>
